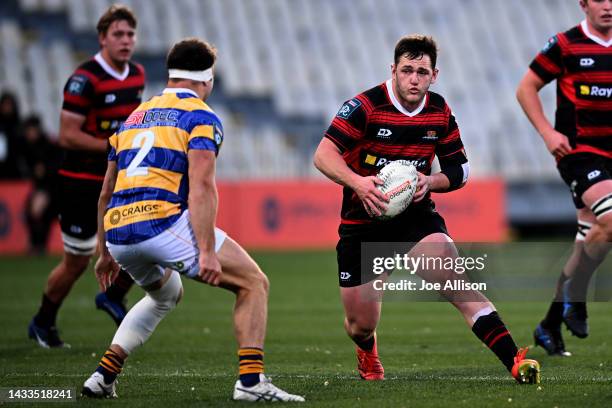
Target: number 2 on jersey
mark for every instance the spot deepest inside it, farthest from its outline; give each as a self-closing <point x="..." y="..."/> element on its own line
<point x="143" y="141"/>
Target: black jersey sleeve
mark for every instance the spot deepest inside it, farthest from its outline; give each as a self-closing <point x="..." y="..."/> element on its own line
<point x="348" y="126"/>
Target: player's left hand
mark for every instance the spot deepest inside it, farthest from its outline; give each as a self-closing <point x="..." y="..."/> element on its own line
<point x="106" y="270"/>
<point x="423" y="185"/>
<point x="210" y="268"/>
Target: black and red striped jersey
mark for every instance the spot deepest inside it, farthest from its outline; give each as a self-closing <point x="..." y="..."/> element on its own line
<point x="373" y="129"/>
<point x="106" y="98"/>
<point x="582" y="65"/>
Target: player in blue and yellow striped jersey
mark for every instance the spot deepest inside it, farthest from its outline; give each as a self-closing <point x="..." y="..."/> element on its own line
<point x="156" y="218"/>
<point x="150" y="150"/>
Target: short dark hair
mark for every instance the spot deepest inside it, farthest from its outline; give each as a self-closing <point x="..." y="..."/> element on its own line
<point x="116" y="12"/>
<point x="191" y="54"/>
<point x="415" y="46"/>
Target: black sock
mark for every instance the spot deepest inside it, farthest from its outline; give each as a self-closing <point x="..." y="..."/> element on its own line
<point x="47" y="313"/>
<point x="493" y="333"/>
<point x="120" y="286"/>
<point x="367" y="344"/>
<point x="554" y="316"/>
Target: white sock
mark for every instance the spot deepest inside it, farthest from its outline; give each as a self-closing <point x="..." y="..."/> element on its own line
<point x="145" y="315"/>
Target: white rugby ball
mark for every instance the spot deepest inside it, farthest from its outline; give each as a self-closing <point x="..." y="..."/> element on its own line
<point x="399" y="185"/>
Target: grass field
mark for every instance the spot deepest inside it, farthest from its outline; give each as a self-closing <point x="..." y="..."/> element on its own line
<point x="430" y="357"/>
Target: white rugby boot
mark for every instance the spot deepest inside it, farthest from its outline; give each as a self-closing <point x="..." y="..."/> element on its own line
<point x="263" y="391"/>
<point x="95" y="387"/>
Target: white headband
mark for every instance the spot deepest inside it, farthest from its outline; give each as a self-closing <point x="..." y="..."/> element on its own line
<point x="202" y="76"/>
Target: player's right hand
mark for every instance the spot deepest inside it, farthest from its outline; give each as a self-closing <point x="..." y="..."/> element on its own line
<point x="106" y="270"/>
<point x="210" y="268"/>
<point x="374" y="201"/>
<point x="557" y="143"/>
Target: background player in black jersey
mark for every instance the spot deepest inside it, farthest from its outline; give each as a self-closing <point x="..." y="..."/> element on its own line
<point x="580" y="59"/>
<point x="402" y="119"/>
<point x="98" y="97"/>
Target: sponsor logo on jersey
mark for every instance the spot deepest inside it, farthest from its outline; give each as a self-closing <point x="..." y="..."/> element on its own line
<point x="384" y="133"/>
<point x="132" y="211"/>
<point x="76" y="85"/>
<point x="166" y="115"/>
<point x="110" y="98"/>
<point x="431" y="135"/>
<point x="115" y="217"/>
<point x="110" y="125"/>
<point x="139" y="209"/>
<point x="371" y="160"/>
<point x="586" y="62"/>
<point x="595" y="91"/>
<point x="348" y="108"/>
<point x="594" y="174"/>
<point x="135" y="118"/>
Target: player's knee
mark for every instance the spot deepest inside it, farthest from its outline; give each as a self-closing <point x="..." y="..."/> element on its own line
<point x="255" y="279"/>
<point x="259" y="282"/>
<point x="168" y="296"/>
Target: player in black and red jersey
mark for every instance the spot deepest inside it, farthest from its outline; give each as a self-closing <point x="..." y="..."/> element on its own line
<point x="98" y="97"/>
<point x="402" y="119"/>
<point x="580" y="59"/>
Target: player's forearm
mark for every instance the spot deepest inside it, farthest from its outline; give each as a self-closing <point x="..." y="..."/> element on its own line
<point x="529" y="99"/>
<point x="333" y="166"/>
<point x="438" y="183"/>
<point x="203" y="212"/>
<point x="79" y="140"/>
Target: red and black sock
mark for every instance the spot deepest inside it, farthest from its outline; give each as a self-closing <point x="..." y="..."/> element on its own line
<point x="47" y="313"/>
<point x="120" y="286"/>
<point x="493" y="333"/>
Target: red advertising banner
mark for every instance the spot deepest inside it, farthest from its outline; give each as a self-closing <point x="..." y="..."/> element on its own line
<point x="290" y="214"/>
<point x="281" y="214"/>
<point x="476" y="212"/>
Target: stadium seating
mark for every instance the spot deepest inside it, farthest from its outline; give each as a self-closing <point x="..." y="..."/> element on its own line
<point x="307" y="56"/>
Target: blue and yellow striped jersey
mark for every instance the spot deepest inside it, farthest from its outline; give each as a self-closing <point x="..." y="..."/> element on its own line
<point x="150" y="150"/>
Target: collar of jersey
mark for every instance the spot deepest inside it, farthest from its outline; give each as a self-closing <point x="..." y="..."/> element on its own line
<point x="109" y="70"/>
<point x="398" y="105"/>
<point x="585" y="29"/>
<point x="180" y="90"/>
